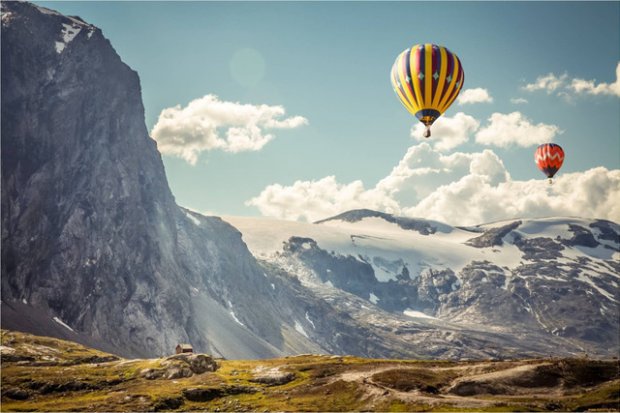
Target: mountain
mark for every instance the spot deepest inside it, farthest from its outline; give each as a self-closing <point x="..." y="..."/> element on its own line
<point x="551" y="284"/>
<point x="94" y="247"/>
<point x="96" y="250"/>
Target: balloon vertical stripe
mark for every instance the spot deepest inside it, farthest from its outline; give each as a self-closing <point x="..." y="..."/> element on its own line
<point x="441" y="70"/>
<point x="428" y="76"/>
<point x="414" y="67"/>
<point x="443" y="103"/>
<point x="404" y="79"/>
<point x="458" y="82"/>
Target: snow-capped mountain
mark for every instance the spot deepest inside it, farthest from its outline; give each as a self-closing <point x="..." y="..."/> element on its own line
<point x="95" y="249"/>
<point x="555" y="277"/>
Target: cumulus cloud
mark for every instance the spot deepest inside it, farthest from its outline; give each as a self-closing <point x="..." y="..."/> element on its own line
<point x="565" y="87"/>
<point x="590" y="86"/>
<point x="514" y="128"/>
<point x="208" y="124"/>
<point x="549" y="83"/>
<point x="314" y="200"/>
<point x="476" y="95"/>
<point x="518" y="101"/>
<point x="459" y="189"/>
<point x="474" y="199"/>
<point x="448" y="132"/>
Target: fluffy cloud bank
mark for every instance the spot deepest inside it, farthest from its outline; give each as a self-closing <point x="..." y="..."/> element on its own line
<point x="564" y="86"/>
<point x="448" y="132"/>
<point x="501" y="130"/>
<point x="514" y="128"/>
<point x="476" y="95"/>
<point x="208" y="123"/>
<point x="459" y="189"/>
<point x="590" y="86"/>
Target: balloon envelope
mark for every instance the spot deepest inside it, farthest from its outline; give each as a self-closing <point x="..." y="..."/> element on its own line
<point x="549" y="158"/>
<point x="427" y="78"/>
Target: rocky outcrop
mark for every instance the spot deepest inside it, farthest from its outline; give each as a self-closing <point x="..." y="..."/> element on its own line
<point x="180" y="365"/>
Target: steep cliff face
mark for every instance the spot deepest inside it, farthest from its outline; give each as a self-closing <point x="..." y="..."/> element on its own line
<point x="91" y="234"/>
<point x="88" y="227"/>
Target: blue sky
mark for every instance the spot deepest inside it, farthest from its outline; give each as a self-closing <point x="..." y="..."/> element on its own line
<point x="329" y="63"/>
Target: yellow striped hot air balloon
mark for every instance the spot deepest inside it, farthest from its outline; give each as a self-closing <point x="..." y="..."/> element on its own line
<point x="427" y="78"/>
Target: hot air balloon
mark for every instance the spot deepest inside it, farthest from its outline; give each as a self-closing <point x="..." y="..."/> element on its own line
<point x="549" y="158"/>
<point x="427" y="78"/>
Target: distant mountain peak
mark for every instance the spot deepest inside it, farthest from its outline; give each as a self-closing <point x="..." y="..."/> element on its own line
<point x="421" y="225"/>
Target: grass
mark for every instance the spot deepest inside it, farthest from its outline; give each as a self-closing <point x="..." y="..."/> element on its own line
<point x="68" y="382"/>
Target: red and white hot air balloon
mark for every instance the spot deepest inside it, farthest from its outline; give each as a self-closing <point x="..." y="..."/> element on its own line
<point x="549" y="158"/>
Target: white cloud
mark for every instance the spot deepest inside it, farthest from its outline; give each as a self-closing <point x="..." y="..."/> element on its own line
<point x="566" y="88"/>
<point x="550" y="83"/>
<point x="473" y="199"/>
<point x="447" y="132"/>
<point x="514" y="128"/>
<point x="314" y="200"/>
<point x="208" y="124"/>
<point x="477" y="95"/>
<point x="459" y="189"/>
<point x="518" y="101"/>
<point x="590" y="87"/>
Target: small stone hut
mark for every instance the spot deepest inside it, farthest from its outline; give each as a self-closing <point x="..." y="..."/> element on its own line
<point x="184" y="348"/>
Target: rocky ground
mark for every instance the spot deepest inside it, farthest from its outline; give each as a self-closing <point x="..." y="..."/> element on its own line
<point x="46" y="374"/>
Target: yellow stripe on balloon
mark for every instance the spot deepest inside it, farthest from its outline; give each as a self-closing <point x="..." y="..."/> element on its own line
<point x="428" y="76"/>
<point x="460" y="80"/>
<point x="443" y="105"/>
<point x="403" y="98"/>
<point x="416" y="83"/>
<point x="408" y="97"/>
<point x="442" y="78"/>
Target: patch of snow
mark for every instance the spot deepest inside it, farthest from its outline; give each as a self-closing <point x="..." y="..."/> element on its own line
<point x="310" y="321"/>
<point x="329" y="284"/>
<point x="91" y="30"/>
<point x="300" y="329"/>
<point x="373" y="298"/>
<point x="60" y="46"/>
<point x="273" y="286"/>
<point x="45" y="10"/>
<point x="585" y="277"/>
<point x="59" y="321"/>
<point x="24" y="301"/>
<point x="69" y="31"/>
<point x="417" y="314"/>
<point x="192" y="218"/>
<point x="232" y="314"/>
<point x="306" y="245"/>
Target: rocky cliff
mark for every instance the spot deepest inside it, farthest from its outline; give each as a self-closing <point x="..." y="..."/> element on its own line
<point x="91" y="234"/>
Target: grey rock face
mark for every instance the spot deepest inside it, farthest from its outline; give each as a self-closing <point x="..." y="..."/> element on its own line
<point x="91" y="234"/>
<point x="87" y="217"/>
<point x="494" y="236"/>
<point x="423" y="226"/>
